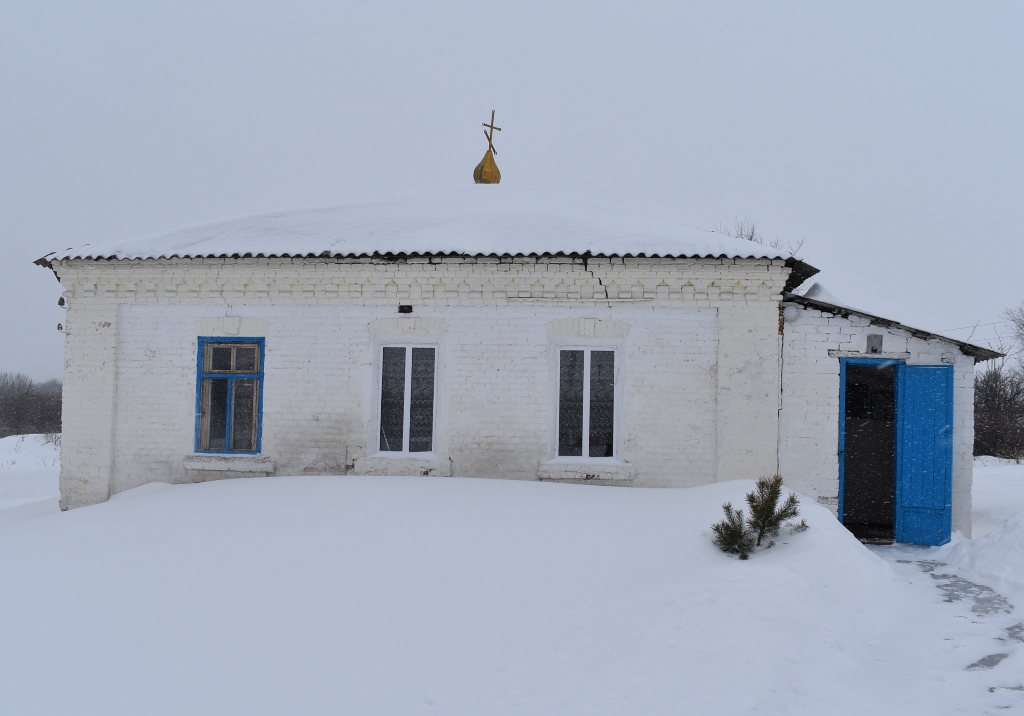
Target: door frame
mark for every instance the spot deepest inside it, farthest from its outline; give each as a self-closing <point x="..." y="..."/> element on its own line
<point x="843" y="362"/>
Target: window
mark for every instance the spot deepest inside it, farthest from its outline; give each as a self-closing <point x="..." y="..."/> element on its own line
<point x="407" y="399"/>
<point x="586" y="402"/>
<point x="229" y="400"/>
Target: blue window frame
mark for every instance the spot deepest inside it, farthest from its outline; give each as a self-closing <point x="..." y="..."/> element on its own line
<point x="229" y="395"/>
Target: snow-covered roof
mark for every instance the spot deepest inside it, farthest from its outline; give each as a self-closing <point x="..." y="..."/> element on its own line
<point x="473" y="220"/>
<point x="817" y="292"/>
<point x="817" y="297"/>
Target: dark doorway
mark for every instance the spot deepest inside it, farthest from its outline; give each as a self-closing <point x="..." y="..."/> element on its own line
<point x="869" y="451"/>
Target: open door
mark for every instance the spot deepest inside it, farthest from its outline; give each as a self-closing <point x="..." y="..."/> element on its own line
<point x="867" y="449"/>
<point x="896" y="451"/>
<point x="924" y="462"/>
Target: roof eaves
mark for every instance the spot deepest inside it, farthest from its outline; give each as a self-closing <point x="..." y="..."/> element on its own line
<point x="977" y="352"/>
<point x="805" y="270"/>
<point x="799" y="272"/>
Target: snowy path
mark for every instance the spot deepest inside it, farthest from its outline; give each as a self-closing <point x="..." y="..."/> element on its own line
<point x="981" y="611"/>
<point x="976" y="587"/>
<point x="974" y="618"/>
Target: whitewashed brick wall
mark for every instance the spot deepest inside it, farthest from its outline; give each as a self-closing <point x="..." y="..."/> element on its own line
<point x="809" y="418"/>
<point x="90" y="370"/>
<point x="698" y="361"/>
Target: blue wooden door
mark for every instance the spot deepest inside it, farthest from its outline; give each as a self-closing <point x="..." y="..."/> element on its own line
<point x="924" y="454"/>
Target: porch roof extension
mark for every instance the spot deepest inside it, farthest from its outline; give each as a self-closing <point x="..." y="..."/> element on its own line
<point x="977" y="352"/>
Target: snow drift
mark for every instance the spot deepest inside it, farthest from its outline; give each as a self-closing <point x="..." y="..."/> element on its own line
<point x="29" y="476"/>
<point x="997" y="556"/>
<point x="455" y="596"/>
<point x="997" y="492"/>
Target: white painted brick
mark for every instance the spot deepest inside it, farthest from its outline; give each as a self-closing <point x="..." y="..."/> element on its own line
<point x="809" y="418"/>
<point x="698" y="367"/>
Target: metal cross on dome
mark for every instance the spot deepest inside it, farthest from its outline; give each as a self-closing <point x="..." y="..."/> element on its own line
<point x="490" y="135"/>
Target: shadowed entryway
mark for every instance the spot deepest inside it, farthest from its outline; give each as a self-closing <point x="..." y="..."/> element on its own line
<point x="869" y="451"/>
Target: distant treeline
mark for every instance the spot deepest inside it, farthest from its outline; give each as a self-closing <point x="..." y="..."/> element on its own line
<point x="999" y="412"/>
<point x="999" y="396"/>
<point x="27" y="406"/>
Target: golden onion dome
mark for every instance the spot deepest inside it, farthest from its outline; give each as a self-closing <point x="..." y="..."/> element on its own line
<point x="486" y="171"/>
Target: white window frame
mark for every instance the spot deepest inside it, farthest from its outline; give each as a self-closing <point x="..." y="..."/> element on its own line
<point x="407" y="399"/>
<point x="616" y="410"/>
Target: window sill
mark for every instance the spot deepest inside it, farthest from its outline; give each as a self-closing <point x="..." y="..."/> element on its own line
<point x="404" y="464"/>
<point x="580" y="469"/>
<point x="213" y="467"/>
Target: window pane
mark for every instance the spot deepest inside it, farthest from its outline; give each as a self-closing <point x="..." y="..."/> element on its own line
<point x="243" y="416"/>
<point x="221" y="360"/>
<point x="204" y="414"/>
<point x="570" y="403"/>
<point x="392" y="399"/>
<point x="215" y="414"/>
<point x="421" y="401"/>
<point x="602" y="402"/>
<point x="245" y="359"/>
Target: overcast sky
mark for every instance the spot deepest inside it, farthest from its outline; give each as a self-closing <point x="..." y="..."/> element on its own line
<point x="888" y="137"/>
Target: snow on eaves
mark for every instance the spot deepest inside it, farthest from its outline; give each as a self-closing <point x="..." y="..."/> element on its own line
<point x="814" y="295"/>
<point x="817" y="292"/>
<point x="471" y="220"/>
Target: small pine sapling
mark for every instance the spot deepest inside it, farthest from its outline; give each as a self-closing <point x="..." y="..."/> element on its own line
<point x="766" y="515"/>
<point x="732" y="534"/>
<point x="738" y="536"/>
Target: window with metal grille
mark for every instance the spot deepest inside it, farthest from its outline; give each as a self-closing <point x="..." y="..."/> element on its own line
<point x="586" y="402"/>
<point x="407" y="399"/>
<point x="229" y="397"/>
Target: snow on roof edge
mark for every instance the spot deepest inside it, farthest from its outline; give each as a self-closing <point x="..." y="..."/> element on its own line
<point x="56" y="256"/>
<point x="977" y="352"/>
<point x="451" y="221"/>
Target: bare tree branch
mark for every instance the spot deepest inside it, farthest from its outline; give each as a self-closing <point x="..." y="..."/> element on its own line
<point x="747" y="230"/>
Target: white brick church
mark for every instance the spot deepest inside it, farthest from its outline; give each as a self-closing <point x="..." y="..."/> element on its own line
<point x="474" y="331"/>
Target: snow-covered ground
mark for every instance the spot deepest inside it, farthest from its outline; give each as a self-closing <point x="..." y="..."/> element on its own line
<point x="996" y="554"/>
<point x="29" y="471"/>
<point x="998" y="492"/>
<point x="427" y="595"/>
